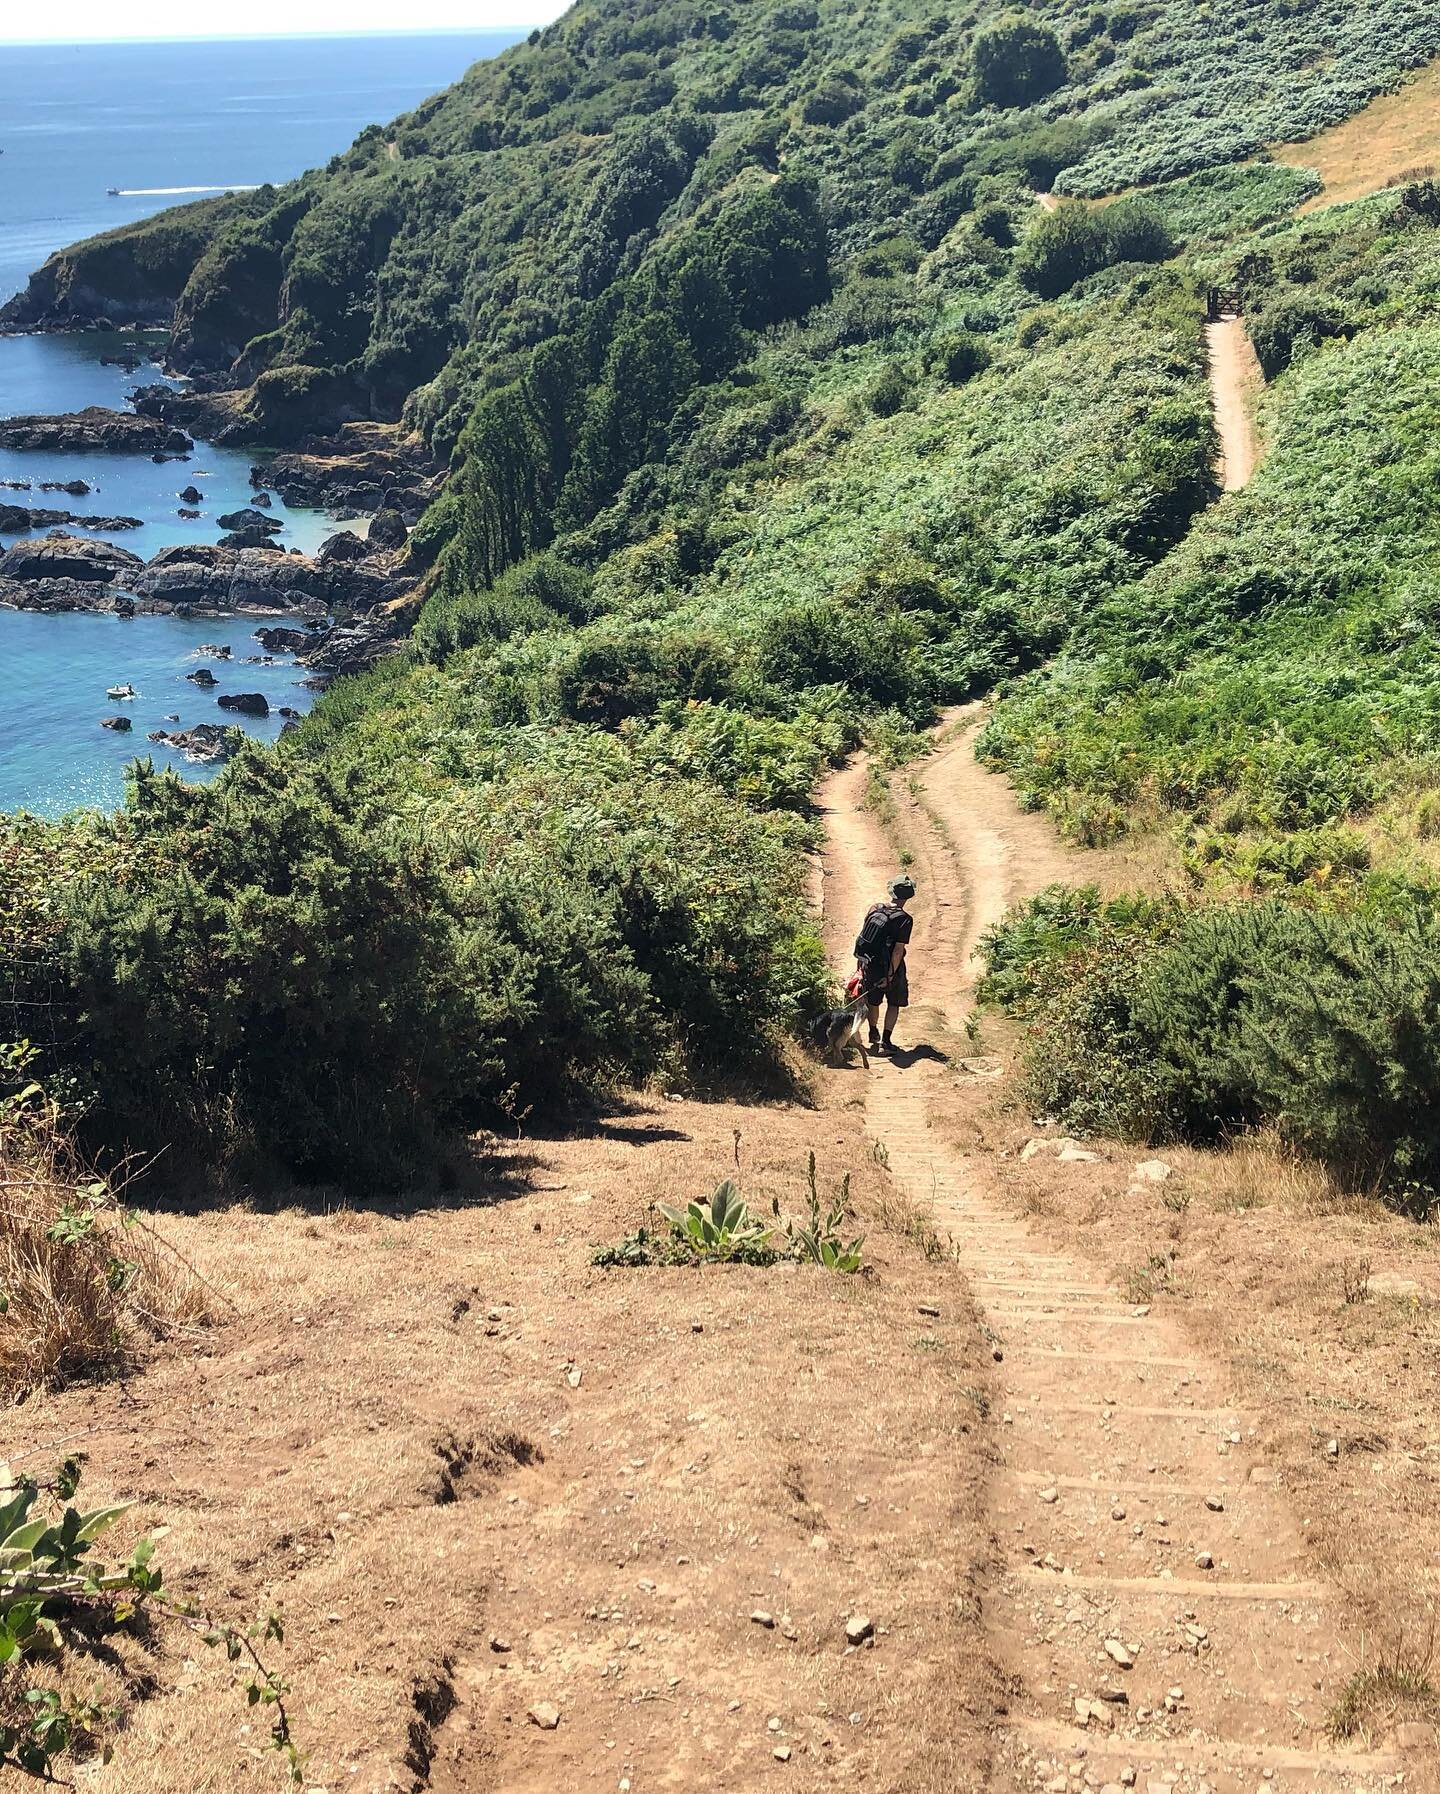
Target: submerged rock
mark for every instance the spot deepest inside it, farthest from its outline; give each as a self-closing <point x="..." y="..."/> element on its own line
<point x="121" y="724"/>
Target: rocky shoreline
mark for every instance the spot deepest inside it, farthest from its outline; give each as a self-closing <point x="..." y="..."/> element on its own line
<point x="363" y="469"/>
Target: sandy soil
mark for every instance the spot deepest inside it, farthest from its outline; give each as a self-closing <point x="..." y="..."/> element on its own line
<point x="478" y="1475"/>
<point x="1235" y="385"/>
<point x="1167" y="1608"/>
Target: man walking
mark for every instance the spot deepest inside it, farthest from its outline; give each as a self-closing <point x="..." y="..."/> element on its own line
<point x="880" y="949"/>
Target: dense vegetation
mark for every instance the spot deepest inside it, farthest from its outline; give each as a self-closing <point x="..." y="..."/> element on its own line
<point x="776" y="414"/>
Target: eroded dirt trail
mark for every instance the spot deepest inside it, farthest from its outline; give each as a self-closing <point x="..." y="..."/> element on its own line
<point x="1235" y="381"/>
<point x="1155" y="1611"/>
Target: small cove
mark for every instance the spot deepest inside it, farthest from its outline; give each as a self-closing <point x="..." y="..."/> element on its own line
<point x="54" y="755"/>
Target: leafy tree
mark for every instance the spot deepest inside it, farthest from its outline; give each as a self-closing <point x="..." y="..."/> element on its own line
<point x="1017" y="60"/>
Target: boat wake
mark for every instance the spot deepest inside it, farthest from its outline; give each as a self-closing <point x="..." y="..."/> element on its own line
<point x="164" y="192"/>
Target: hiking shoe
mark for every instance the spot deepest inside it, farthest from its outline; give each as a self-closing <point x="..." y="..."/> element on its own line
<point x="887" y="1045"/>
<point x="879" y="1046"/>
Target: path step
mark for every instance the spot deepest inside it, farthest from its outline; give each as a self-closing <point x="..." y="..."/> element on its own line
<point x="1054" y="1735"/>
<point x="1172" y="1586"/>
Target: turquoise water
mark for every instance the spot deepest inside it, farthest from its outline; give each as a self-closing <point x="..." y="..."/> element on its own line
<point x="54" y="756"/>
<point x="154" y="120"/>
<point x="63" y="373"/>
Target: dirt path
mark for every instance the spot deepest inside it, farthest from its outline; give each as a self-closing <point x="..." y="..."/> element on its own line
<point x="1155" y="1614"/>
<point x="1235" y="380"/>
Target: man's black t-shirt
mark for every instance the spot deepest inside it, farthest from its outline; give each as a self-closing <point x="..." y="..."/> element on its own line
<point x="898" y="926"/>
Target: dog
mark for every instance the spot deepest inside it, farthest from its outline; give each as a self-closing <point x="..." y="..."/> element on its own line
<point x="839" y="1029"/>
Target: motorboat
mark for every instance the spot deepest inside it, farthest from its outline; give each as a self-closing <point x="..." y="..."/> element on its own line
<point x="120" y="692"/>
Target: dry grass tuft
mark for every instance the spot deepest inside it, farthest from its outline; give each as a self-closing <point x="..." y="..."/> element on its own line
<point x="81" y="1278"/>
<point x="1393" y="138"/>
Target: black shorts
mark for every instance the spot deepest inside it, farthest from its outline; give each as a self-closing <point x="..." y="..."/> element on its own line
<point x="897" y="991"/>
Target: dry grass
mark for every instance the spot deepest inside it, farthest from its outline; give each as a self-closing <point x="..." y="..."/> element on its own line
<point x="1396" y="136"/>
<point x="80" y="1279"/>
<point x="387" y="1444"/>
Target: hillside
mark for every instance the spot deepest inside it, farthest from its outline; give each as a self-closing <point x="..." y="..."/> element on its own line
<point x="792" y="497"/>
<point x="775" y="414"/>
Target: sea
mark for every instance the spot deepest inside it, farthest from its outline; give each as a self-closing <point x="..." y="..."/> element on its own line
<point x="163" y="123"/>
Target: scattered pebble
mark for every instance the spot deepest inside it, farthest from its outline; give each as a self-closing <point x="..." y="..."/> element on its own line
<point x="1119" y="1653"/>
<point x="761" y="1618"/>
<point x="544" y="1714"/>
<point x="858" y="1628"/>
<point x="1050" y="1495"/>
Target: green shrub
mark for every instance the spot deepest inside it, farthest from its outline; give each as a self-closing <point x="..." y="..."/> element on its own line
<point x="1285" y="327"/>
<point x="1017" y="60"/>
<point x="890" y="390"/>
<point x="1154" y="1023"/>
<point x="959" y="357"/>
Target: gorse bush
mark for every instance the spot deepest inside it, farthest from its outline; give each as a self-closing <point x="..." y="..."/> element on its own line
<point x="1157" y="1023"/>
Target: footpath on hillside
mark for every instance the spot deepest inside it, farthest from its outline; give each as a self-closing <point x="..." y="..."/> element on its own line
<point x="1235" y="383"/>
<point x="1155" y="1610"/>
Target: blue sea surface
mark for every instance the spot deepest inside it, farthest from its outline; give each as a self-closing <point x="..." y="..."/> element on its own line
<point x="154" y="120"/>
<point x="54" y="755"/>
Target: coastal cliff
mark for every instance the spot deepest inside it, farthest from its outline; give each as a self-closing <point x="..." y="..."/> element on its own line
<point x="132" y="275"/>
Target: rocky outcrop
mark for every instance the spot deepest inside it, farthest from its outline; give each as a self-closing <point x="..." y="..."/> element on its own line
<point x="69" y="557"/>
<point x="95" y="430"/>
<point x="18" y="520"/>
<point x="130" y="276"/>
<point x="121" y="724"/>
<point x="190" y="495"/>
<point x="361" y="468"/>
<point x="203" y="744"/>
<point x="246" y="538"/>
<point x="249" y="518"/>
<point x="59" y="595"/>
<point x="286" y="641"/>
<point x="387" y="529"/>
<point x="344" y="546"/>
<point x="355" y="647"/>
<point x="214" y="577"/>
<point x="248" y="703"/>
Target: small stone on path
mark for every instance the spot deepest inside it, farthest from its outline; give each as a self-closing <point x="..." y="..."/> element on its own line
<point x="761" y="1618"/>
<point x="1118" y="1653"/>
<point x="858" y="1628"/>
<point x="544" y="1714"/>
<point x="1050" y="1495"/>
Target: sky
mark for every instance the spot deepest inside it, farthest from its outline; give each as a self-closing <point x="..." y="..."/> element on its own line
<point x="102" y="21"/>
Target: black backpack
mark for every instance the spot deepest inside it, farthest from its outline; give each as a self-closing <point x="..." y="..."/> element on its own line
<point x="875" y="932"/>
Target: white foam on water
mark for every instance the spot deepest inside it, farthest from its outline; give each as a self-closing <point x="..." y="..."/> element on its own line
<point x="158" y="192"/>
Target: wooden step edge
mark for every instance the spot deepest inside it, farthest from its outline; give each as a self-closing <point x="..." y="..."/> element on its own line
<point x="1218" y="1753"/>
